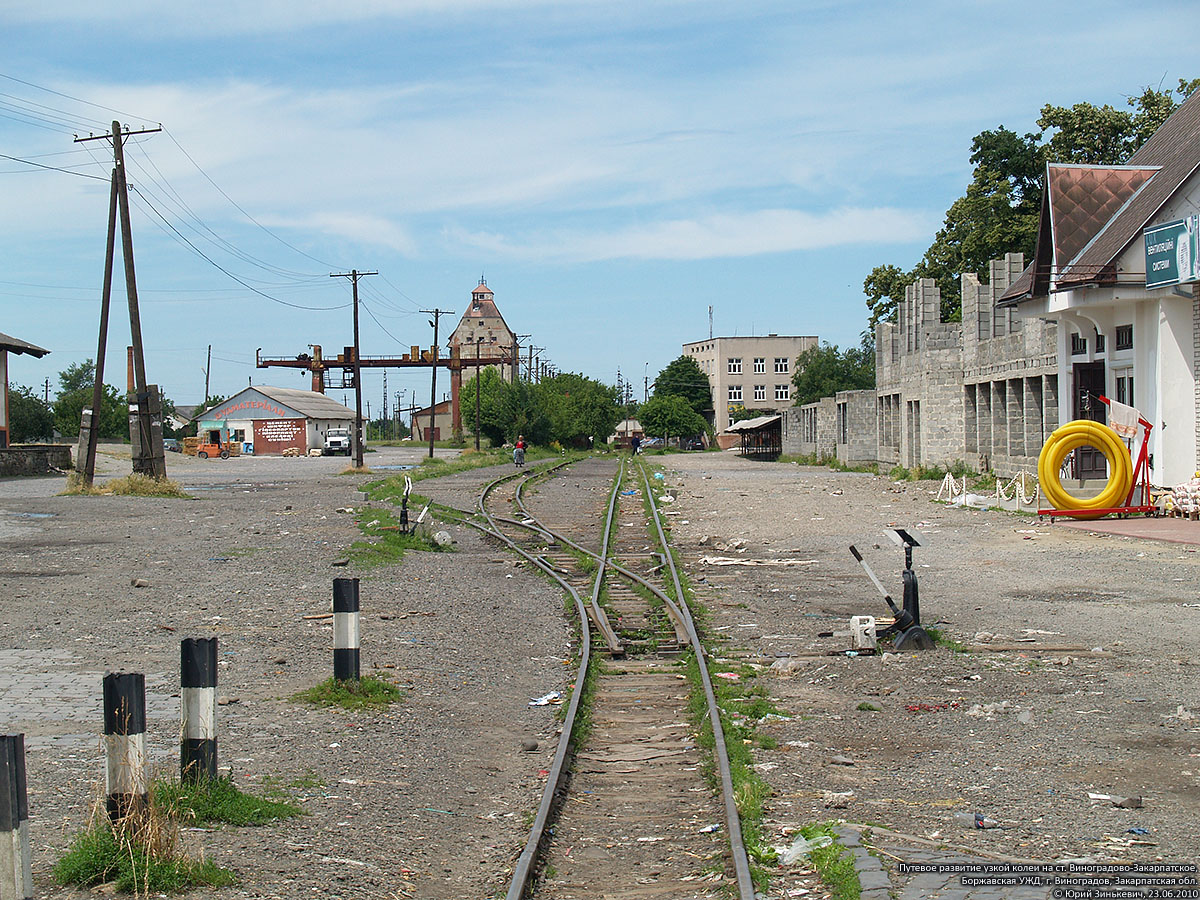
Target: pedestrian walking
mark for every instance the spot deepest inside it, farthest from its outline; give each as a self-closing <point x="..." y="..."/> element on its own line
<point x="519" y="452"/>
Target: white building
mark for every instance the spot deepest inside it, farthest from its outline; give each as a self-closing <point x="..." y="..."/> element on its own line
<point x="750" y="372"/>
<point x="1135" y="344"/>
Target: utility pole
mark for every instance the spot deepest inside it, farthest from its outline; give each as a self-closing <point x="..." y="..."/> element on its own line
<point x="478" y="341"/>
<point x="437" y="314"/>
<point x="383" y="410"/>
<point x="354" y="275"/>
<point x="46" y="396"/>
<point x="148" y="456"/>
<point x="207" y="375"/>
<point x="710" y="322"/>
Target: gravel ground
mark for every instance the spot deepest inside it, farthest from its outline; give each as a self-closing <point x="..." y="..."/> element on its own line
<point x="430" y="798"/>
<point x="425" y="800"/>
<point x="1020" y="735"/>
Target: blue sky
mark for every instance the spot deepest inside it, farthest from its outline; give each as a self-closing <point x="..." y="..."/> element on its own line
<point x="612" y="169"/>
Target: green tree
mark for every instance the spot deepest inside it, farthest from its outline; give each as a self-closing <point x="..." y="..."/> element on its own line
<point x="683" y="378"/>
<point x="999" y="212"/>
<point x="76" y="395"/>
<point x="491" y="388"/>
<point x="522" y="414"/>
<point x="581" y="410"/>
<point x="670" y="415"/>
<point x="823" y="371"/>
<point x="30" y="418"/>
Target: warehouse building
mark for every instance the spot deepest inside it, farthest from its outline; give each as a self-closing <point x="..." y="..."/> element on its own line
<point x="269" y="420"/>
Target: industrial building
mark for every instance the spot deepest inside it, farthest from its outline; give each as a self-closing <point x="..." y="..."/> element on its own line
<point x="267" y="420"/>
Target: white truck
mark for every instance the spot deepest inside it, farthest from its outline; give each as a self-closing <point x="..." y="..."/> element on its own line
<point x="338" y="442"/>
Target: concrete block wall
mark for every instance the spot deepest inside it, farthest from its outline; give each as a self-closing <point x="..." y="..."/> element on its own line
<point x="857" y="440"/>
<point x="809" y="430"/>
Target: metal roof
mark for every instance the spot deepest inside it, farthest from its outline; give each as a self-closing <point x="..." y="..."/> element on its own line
<point x="310" y="403"/>
<point x="15" y="345"/>
<point x="1074" y="237"/>
<point x="752" y="424"/>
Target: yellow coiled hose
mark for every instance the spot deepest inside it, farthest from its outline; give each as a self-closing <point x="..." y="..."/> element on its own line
<point x="1085" y="433"/>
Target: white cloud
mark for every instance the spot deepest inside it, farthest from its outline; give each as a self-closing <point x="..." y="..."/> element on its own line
<point x="716" y="236"/>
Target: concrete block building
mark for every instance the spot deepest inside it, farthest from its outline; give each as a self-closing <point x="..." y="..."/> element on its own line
<point x="983" y="390"/>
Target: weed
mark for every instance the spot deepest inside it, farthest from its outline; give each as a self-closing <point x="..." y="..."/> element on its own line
<point x="140" y="855"/>
<point x="135" y="485"/>
<point x="218" y="800"/>
<point x="368" y="692"/>
<point x="833" y="863"/>
<point x="943" y="640"/>
<point x="355" y="470"/>
<point x="867" y="707"/>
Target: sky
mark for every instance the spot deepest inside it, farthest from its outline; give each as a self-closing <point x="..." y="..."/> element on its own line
<point x="612" y="169"/>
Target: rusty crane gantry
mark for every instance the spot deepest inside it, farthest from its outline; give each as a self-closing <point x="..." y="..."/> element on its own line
<point x="324" y="368"/>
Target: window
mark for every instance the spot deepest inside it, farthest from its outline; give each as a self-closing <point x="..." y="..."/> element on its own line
<point x="781" y="365"/>
<point x="735" y="393"/>
<point x="1078" y="344"/>
<point x="239" y="434"/>
<point x="783" y="392"/>
<point x="760" y="392"/>
<point x="1124" y="338"/>
<point x="760" y="365"/>
<point x="1125" y="387"/>
<point x="1099" y="342"/>
<point x="735" y="365"/>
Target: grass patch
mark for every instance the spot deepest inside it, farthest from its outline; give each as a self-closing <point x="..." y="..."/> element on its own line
<point x="388" y="543"/>
<point x="135" y="485"/>
<point x="210" y="800"/>
<point x="368" y="692"/>
<point x="276" y="788"/>
<point x="141" y="855"/>
<point x="944" y="640"/>
<point x="833" y="863"/>
<point x="750" y="791"/>
<point x="867" y="707"/>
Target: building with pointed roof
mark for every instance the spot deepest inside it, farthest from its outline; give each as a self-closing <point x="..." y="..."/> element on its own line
<point x="1136" y="344"/>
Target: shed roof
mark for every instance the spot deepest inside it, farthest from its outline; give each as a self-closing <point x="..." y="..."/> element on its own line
<point x="753" y="424"/>
<point x="16" y="345"/>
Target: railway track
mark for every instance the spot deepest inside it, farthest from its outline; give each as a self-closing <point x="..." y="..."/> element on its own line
<point x="628" y="810"/>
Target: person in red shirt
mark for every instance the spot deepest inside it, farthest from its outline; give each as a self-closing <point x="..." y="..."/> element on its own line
<point x="519" y="451"/>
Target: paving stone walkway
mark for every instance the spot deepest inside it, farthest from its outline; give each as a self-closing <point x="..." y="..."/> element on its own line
<point x="890" y="882"/>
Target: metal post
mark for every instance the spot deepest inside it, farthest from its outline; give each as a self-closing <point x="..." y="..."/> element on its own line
<point x="345" y="629"/>
<point x="198" y="705"/>
<point x="16" y="873"/>
<point x="125" y="743"/>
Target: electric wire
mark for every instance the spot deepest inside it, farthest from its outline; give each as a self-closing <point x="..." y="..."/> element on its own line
<point x="69" y="97"/>
<point x="30" y="162"/>
<point x="221" y="268"/>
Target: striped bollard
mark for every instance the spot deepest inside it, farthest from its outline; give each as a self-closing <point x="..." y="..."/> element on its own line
<point x="125" y="743"/>
<point x="345" y="629"/>
<point x="16" y="873"/>
<point x="198" y="705"/>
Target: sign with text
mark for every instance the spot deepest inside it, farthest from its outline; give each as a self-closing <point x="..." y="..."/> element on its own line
<point x="1172" y="255"/>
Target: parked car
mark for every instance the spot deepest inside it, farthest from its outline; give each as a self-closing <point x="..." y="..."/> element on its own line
<point x="172" y="444"/>
<point x="652" y="442"/>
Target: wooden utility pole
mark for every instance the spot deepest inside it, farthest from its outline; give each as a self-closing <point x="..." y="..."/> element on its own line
<point x="437" y="314"/>
<point x="148" y="456"/>
<point x="354" y="275"/>
<point x="478" y="340"/>
<point x="207" y="374"/>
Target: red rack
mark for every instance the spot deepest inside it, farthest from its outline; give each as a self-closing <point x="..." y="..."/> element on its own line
<point x="1140" y="486"/>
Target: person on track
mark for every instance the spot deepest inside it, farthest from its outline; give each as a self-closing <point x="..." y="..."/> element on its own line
<point x="519" y="452"/>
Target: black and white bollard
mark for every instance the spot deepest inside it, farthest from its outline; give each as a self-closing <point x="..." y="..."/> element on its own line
<point x="16" y="873"/>
<point x="126" y="783"/>
<point x="198" y="704"/>
<point x="345" y="629"/>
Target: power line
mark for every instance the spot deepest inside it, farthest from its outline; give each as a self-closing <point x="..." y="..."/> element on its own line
<point x="69" y="97"/>
<point x="240" y="209"/>
<point x="221" y="268"/>
<point x="30" y="162"/>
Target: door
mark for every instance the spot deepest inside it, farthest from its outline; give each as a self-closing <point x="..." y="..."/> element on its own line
<point x="1089" y="385"/>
